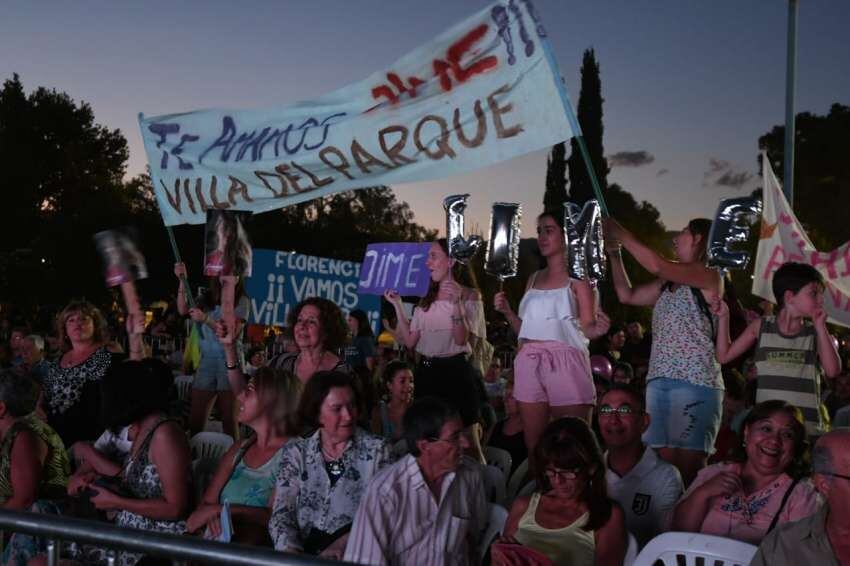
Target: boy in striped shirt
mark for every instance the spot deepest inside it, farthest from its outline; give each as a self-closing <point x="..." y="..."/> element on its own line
<point x="793" y="346"/>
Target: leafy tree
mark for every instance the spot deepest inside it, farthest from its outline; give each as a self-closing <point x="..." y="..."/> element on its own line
<point x="64" y="181"/>
<point x="589" y="116"/>
<point x="556" y="180"/>
<point x="822" y="172"/>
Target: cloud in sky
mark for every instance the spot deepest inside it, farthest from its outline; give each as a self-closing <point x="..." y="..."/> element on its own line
<point x="734" y="179"/>
<point x="662" y="172"/>
<point x="630" y="158"/>
<point x="721" y="173"/>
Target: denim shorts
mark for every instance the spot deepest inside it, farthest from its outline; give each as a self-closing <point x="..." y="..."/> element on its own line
<point x="211" y="374"/>
<point x="682" y="415"/>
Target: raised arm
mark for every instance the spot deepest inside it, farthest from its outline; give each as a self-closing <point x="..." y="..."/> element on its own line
<point x="827" y="354"/>
<point x="402" y="330"/>
<point x="643" y="295"/>
<point x="691" y="274"/>
<point x="726" y="350"/>
<point x="182" y="304"/>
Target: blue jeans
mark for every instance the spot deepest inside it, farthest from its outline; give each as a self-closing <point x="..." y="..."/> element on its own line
<point x="683" y="415"/>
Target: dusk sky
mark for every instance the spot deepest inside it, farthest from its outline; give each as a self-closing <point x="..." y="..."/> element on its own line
<point x="692" y="84"/>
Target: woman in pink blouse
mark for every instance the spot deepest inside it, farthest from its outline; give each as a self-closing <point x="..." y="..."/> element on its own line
<point x="449" y="317"/>
<point x="746" y="499"/>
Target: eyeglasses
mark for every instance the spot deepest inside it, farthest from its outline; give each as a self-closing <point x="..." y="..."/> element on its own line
<point x="562" y="475"/>
<point x="622" y="410"/>
<point x="453" y="439"/>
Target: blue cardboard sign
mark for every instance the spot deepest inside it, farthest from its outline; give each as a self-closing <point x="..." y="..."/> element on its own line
<point x="281" y="280"/>
<point x="399" y="266"/>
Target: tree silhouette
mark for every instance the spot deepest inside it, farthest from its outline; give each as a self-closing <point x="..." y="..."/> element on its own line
<point x="556" y="180"/>
<point x="589" y="116"/>
<point x="822" y="173"/>
<point x="64" y="181"/>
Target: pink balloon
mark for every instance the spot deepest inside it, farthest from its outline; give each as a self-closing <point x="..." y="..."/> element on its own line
<point x="601" y="366"/>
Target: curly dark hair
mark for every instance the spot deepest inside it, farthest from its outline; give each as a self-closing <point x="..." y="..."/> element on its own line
<point x="801" y="463"/>
<point x="133" y="389"/>
<point x="333" y="327"/>
<point x="569" y="443"/>
<point x="315" y="391"/>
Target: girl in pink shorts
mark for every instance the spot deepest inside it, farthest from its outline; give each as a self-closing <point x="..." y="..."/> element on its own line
<point x="557" y="316"/>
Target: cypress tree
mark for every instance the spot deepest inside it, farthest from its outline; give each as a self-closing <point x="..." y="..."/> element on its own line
<point x="589" y="116"/>
<point x="556" y="180"/>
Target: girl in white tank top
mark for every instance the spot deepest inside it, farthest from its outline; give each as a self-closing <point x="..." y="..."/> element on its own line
<point x="557" y="316"/>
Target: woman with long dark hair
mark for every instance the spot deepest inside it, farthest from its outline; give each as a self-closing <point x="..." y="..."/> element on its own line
<point x="444" y="325"/>
<point x="557" y="316"/>
<point x="684" y="392"/>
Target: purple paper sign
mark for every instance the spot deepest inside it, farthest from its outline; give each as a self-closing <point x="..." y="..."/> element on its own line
<point x="398" y="266"/>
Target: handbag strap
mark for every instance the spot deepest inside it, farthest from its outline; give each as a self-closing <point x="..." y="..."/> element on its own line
<point x="782" y="505"/>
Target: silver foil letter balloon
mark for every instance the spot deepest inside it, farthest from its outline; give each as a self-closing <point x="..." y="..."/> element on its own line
<point x="460" y="248"/>
<point x="730" y="227"/>
<point x="503" y="247"/>
<point x="585" y="242"/>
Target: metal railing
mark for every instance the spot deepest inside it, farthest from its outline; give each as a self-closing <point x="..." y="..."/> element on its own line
<point x="56" y="528"/>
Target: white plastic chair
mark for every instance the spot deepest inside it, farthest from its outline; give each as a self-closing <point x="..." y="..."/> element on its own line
<point x="631" y="551"/>
<point x="500" y="458"/>
<point x="183" y="383"/>
<point x="210" y="444"/>
<point x="684" y="549"/>
<point x="495" y="524"/>
<point x="494" y="483"/>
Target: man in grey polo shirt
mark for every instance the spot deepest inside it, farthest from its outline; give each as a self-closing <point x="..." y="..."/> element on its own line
<point x="645" y="486"/>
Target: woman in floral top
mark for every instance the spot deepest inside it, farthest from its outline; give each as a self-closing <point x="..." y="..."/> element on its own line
<point x="684" y="391"/>
<point x="323" y="476"/>
<point x="744" y="500"/>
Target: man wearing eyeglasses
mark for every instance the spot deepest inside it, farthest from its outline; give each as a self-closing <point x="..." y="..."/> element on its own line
<point x="644" y="485"/>
<point x="429" y="508"/>
<point x="822" y="539"/>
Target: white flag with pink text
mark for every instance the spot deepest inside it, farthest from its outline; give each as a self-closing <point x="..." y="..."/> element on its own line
<point x="783" y="239"/>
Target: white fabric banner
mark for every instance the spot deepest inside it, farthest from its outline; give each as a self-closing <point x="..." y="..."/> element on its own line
<point x="783" y="239"/>
<point x="485" y="91"/>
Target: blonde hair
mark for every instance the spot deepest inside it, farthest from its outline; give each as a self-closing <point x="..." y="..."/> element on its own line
<point x="83" y="308"/>
<point x="280" y="392"/>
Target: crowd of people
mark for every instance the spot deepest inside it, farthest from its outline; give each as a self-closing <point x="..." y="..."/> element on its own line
<point x="353" y="451"/>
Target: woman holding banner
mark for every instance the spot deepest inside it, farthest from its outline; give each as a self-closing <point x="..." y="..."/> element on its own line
<point x="684" y="392"/>
<point x="557" y="315"/>
<point x="211" y="383"/>
<point x="448" y="319"/>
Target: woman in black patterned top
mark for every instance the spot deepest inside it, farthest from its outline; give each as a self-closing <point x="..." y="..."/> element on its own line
<point x="72" y="386"/>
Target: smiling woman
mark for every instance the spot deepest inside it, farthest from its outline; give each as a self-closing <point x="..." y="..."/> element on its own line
<point x="746" y="499"/>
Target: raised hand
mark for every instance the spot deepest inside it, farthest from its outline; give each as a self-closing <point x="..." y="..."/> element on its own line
<point x="501" y="304"/>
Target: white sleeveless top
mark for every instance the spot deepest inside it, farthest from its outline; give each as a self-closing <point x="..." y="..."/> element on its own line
<point x="551" y="314"/>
